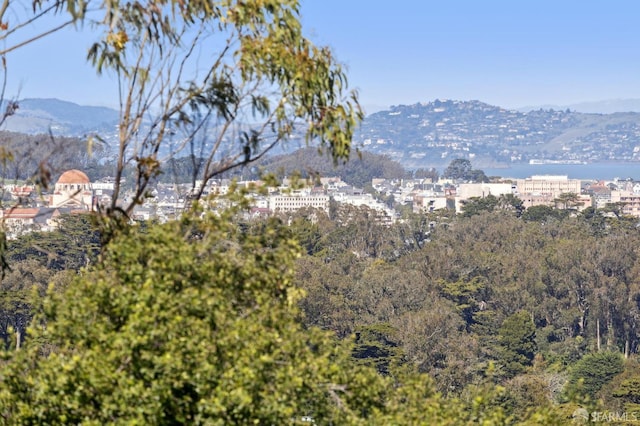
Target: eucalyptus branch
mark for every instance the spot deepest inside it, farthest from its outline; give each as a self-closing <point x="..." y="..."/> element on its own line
<point x="10" y="30"/>
<point x="37" y="37"/>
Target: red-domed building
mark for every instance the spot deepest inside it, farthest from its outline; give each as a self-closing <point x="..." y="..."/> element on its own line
<point x="73" y="189"/>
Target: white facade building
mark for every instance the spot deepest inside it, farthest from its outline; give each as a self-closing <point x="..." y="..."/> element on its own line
<point x="466" y="191"/>
<point x="297" y="200"/>
<point x="548" y="185"/>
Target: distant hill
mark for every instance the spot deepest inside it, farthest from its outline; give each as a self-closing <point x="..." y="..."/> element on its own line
<point x="434" y="133"/>
<point x="358" y="171"/>
<point x="422" y="135"/>
<point x="61" y="118"/>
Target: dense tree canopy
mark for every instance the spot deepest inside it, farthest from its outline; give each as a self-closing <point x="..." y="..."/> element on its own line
<point x="32" y="158"/>
<point x="197" y="322"/>
<point x="539" y="293"/>
<point x="530" y="297"/>
<point x="189" y="322"/>
<point x="358" y="171"/>
<point x="361" y="168"/>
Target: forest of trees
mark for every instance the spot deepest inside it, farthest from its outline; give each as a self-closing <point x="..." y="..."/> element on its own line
<point x="550" y="302"/>
<point x="38" y="158"/>
<point x="538" y="315"/>
<point x="361" y="168"/>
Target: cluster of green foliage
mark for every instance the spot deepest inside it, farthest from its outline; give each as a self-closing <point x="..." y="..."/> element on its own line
<point x="593" y="371"/>
<point x="37" y="261"/>
<point x="344" y="318"/>
<point x="509" y="202"/>
<point x="540" y="296"/>
<point x="361" y="168"/>
<point x="197" y="321"/>
<point x="461" y="169"/>
<point x="517" y="344"/>
<point x="185" y="322"/>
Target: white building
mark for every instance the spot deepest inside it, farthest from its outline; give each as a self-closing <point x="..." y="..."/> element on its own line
<point x="545" y="189"/>
<point x="364" y="200"/>
<point x="466" y="191"/>
<point x="549" y="185"/>
<point x="297" y="200"/>
<point x="73" y="189"/>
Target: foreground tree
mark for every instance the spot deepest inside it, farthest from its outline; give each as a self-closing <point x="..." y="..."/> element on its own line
<point x="187" y="322"/>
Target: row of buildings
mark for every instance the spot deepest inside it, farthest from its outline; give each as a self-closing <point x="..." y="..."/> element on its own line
<point x="533" y="191"/>
<point x="548" y="190"/>
<point x="27" y="211"/>
<point x="75" y="193"/>
<point x="167" y="200"/>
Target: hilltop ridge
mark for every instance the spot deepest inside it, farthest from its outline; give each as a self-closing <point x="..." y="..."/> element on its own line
<point x="428" y="134"/>
<point x="433" y="133"/>
<point x="64" y="118"/>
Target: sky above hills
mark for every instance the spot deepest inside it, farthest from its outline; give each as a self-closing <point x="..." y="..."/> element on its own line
<point x="503" y="52"/>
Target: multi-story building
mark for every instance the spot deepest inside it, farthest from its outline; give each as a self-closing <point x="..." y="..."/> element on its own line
<point x="466" y="191"/>
<point x="552" y="185"/>
<point x="545" y="189"/>
<point x="630" y="202"/>
<point x="73" y="189"/>
<point x="288" y="202"/>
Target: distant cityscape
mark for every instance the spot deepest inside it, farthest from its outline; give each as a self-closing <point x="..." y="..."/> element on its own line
<point x="73" y="193"/>
<point x="536" y="155"/>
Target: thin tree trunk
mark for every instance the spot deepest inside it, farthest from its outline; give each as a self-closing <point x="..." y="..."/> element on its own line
<point x="610" y="332"/>
<point x="626" y="348"/>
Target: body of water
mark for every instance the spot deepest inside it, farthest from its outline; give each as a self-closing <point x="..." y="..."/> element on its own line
<point x="596" y="171"/>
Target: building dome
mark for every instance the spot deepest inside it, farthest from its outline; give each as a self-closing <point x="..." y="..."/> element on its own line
<point x="74" y="176"/>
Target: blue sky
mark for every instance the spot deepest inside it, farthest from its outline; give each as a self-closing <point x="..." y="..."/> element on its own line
<point x="510" y="53"/>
